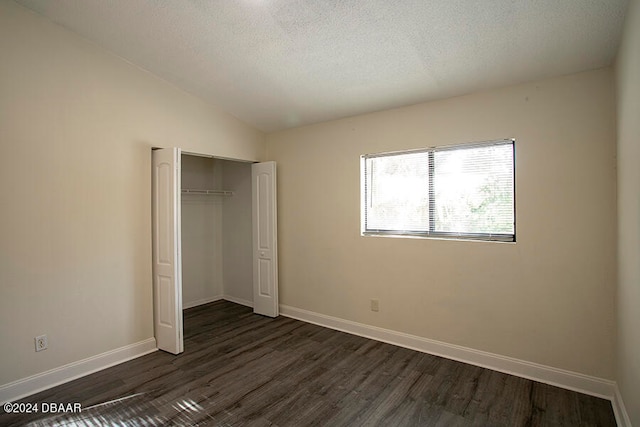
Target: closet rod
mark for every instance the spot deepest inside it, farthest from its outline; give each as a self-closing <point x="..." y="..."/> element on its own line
<point x="211" y="192"/>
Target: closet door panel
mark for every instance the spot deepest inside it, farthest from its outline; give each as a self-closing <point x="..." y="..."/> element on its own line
<point x="167" y="276"/>
<point x="265" y="254"/>
<point x="266" y="285"/>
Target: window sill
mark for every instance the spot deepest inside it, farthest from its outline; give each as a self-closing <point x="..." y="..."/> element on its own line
<point x="459" y="238"/>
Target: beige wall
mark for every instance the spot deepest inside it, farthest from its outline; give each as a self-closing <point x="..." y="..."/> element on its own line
<point x="76" y="129"/>
<point x="628" y="90"/>
<point x="548" y="299"/>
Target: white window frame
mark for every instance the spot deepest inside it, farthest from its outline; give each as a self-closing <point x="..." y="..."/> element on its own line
<point x="432" y="233"/>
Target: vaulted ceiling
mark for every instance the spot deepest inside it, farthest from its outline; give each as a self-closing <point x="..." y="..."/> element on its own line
<point x="283" y="63"/>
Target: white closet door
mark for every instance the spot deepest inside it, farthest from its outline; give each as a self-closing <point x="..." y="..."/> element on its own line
<point x="167" y="269"/>
<point x="265" y="248"/>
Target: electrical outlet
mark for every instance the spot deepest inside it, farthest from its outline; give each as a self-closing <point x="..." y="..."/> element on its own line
<point x="41" y="342"/>
<point x="375" y="305"/>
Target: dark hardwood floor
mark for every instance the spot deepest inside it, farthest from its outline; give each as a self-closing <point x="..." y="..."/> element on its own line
<point x="241" y="369"/>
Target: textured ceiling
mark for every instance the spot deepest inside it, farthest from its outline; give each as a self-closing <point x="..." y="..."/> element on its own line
<point x="283" y="63"/>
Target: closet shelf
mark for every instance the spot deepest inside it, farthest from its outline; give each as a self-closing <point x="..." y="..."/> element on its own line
<point x="208" y="192"/>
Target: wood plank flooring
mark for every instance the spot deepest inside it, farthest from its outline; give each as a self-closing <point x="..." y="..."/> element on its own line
<point x="241" y="369"/>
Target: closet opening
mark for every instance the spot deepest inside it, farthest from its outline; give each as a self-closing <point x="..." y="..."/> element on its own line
<point x="214" y="237"/>
<point x="216" y="233"/>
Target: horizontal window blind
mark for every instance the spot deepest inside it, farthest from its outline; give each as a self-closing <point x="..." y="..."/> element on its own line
<point x="398" y="192"/>
<point x="463" y="191"/>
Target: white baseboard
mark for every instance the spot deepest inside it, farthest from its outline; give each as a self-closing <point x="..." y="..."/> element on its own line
<point x="546" y="374"/>
<point x="42" y="381"/>
<point x="238" y="300"/>
<point x="202" y="301"/>
<point x="622" y="416"/>
<point x="230" y="298"/>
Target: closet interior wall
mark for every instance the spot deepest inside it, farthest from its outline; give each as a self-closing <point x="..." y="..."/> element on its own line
<point x="216" y="232"/>
<point x="237" y="257"/>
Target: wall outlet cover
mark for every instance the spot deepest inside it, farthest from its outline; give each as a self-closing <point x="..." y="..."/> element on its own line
<point x="41" y="342"/>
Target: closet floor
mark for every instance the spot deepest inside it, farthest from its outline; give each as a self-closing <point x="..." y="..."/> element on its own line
<point x="241" y="369"/>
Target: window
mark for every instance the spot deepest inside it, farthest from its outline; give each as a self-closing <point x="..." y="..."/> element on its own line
<point x="464" y="191"/>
